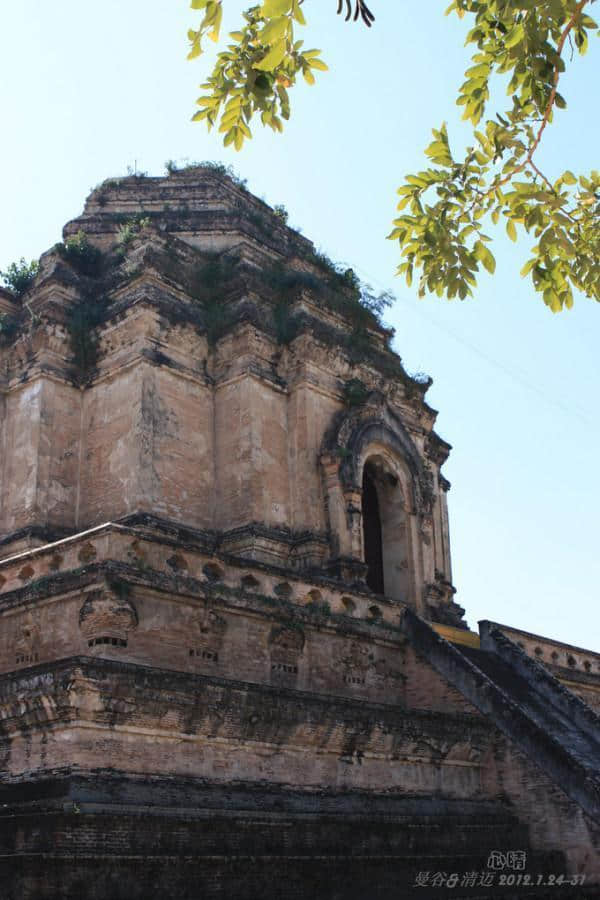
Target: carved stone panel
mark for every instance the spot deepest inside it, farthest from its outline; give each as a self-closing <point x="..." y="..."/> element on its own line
<point x="207" y="635"/>
<point x="354" y="664"/>
<point x="107" y="616"/>
<point x="27" y="640"/>
<point x="286" y="646"/>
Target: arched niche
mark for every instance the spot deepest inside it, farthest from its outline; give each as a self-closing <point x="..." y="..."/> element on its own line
<point x="402" y="488"/>
<point x="387" y="525"/>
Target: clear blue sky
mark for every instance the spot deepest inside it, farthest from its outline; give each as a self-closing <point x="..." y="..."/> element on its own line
<point x="88" y="89"/>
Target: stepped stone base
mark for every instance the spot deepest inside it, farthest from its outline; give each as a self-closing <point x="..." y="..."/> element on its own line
<point x="104" y="836"/>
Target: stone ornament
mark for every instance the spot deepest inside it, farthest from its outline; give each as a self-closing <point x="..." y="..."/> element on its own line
<point x="107" y="615"/>
<point x="28" y="634"/>
<point x="208" y="633"/>
<point x="375" y="421"/>
<point x="286" y="646"/>
<point x="27" y="639"/>
<point x="355" y="663"/>
<point x="211" y="627"/>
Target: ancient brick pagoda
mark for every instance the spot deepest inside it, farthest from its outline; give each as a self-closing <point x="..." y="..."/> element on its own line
<point x="231" y="662"/>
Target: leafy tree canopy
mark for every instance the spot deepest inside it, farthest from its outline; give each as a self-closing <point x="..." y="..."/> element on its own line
<point x="444" y="207"/>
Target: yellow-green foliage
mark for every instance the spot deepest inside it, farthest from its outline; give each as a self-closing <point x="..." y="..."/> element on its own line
<point x="444" y="208"/>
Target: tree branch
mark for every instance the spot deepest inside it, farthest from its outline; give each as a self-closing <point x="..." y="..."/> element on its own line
<point x="552" y="97"/>
<point x="547" y="112"/>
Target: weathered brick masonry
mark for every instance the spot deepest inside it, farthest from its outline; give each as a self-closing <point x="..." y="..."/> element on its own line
<point x="231" y="664"/>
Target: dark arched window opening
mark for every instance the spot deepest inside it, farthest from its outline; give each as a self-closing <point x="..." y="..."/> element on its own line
<point x="372" y="533"/>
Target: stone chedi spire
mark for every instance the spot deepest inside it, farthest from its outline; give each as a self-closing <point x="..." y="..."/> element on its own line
<point x="230" y="660"/>
<point x="186" y="357"/>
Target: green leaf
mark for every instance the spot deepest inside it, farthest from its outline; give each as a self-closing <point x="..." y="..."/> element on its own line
<point x="511" y="230"/>
<point x="297" y="13"/>
<point x="273" y="58"/>
<point x="274" y="30"/>
<point x="272" y="8"/>
<point x="485" y="256"/>
<point x="514" y="36"/>
<point x="479" y="71"/>
<point x="560" y="101"/>
<point x="528" y="267"/>
<point x="195" y="51"/>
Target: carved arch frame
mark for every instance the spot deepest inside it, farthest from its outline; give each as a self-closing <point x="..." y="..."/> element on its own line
<point x="374" y="431"/>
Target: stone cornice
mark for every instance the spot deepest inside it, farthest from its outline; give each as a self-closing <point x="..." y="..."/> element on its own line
<point x="512" y="630"/>
<point x="105" y="552"/>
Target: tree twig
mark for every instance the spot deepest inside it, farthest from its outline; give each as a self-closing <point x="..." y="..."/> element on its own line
<point x="548" y="110"/>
